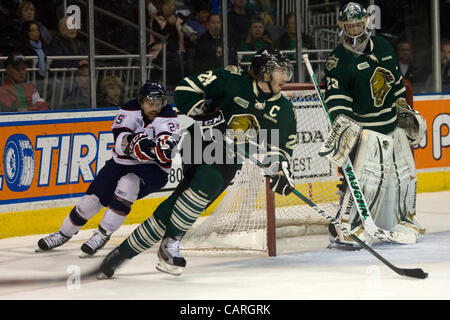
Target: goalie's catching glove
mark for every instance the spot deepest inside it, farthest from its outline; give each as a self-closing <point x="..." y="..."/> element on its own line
<point x="281" y="182"/>
<point x="411" y="122"/>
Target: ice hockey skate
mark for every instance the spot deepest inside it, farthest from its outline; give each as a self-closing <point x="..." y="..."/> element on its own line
<point x="338" y="240"/>
<point x="96" y="242"/>
<point x="110" y="264"/>
<point x="51" y="241"/>
<point x="170" y="259"/>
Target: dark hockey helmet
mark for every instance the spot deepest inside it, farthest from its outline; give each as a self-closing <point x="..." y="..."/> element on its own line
<point x="152" y="90"/>
<point x="353" y="14"/>
<point x="266" y="60"/>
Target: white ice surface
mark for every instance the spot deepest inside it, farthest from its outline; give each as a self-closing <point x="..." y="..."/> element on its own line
<point x="312" y="272"/>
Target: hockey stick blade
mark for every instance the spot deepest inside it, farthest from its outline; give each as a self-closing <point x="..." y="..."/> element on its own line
<point x="412" y="273"/>
<point x="57" y="280"/>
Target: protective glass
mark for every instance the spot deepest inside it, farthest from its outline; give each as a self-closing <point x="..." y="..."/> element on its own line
<point x="154" y="101"/>
<point x="286" y="71"/>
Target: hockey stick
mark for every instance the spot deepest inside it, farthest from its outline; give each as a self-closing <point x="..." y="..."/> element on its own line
<point x="349" y="174"/>
<point x="68" y="279"/>
<point x="412" y="273"/>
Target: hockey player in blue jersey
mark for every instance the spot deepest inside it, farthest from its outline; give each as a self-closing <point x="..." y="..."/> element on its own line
<point x="145" y="129"/>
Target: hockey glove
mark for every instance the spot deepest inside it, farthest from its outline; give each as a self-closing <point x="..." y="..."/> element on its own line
<point x="209" y="122"/>
<point x="341" y="140"/>
<point x="142" y="147"/>
<point x="164" y="148"/>
<point x="281" y="182"/>
<point x="411" y="122"/>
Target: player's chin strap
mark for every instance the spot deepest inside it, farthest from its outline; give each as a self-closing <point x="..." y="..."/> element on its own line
<point x="363" y="209"/>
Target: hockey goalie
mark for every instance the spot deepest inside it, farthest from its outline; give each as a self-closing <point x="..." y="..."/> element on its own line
<point x="374" y="127"/>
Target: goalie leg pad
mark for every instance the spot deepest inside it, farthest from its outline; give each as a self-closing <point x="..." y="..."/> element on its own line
<point x="405" y="181"/>
<point x="372" y="165"/>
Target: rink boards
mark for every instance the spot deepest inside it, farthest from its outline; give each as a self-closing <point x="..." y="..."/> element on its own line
<point x="50" y="158"/>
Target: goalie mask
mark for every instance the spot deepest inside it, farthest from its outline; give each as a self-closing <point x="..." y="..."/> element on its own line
<point x="354" y="22"/>
<point x="268" y="61"/>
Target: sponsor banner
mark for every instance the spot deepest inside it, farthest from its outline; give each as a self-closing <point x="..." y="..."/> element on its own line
<point x="55" y="155"/>
<point x="307" y="165"/>
<point x="312" y="127"/>
<point x="433" y="151"/>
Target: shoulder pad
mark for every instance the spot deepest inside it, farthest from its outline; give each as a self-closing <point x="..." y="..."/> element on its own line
<point x="167" y="112"/>
<point x="233" y="69"/>
<point x="381" y="41"/>
<point x="132" y="105"/>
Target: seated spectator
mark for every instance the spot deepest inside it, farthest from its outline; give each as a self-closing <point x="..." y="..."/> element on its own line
<point x="256" y="39"/>
<point x="405" y="56"/>
<point x="288" y="41"/>
<point x="26" y="12"/>
<point x="31" y="44"/>
<point x="66" y="43"/>
<point x="199" y="20"/>
<point x="15" y="93"/>
<point x="78" y="97"/>
<point x="208" y="51"/>
<point x="169" y="25"/>
<point x="111" y="87"/>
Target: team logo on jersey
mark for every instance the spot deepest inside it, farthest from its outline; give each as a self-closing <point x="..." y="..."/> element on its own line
<point x="332" y="62"/>
<point x="241" y="102"/>
<point x="233" y="69"/>
<point x="244" y="126"/>
<point x="380" y="85"/>
<point x="260" y="105"/>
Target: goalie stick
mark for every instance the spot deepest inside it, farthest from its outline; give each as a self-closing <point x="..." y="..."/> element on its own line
<point x="349" y="174"/>
<point x="412" y="273"/>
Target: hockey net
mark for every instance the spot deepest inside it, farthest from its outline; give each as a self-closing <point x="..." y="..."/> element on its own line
<point x="250" y="217"/>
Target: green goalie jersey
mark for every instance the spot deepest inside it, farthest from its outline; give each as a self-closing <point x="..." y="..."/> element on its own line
<point x="243" y="105"/>
<point x="365" y="86"/>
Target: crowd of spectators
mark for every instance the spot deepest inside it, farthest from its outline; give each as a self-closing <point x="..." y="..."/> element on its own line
<point x="192" y="32"/>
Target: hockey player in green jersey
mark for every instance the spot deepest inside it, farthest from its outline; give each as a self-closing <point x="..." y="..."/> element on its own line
<point x="224" y="99"/>
<point x="364" y="83"/>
